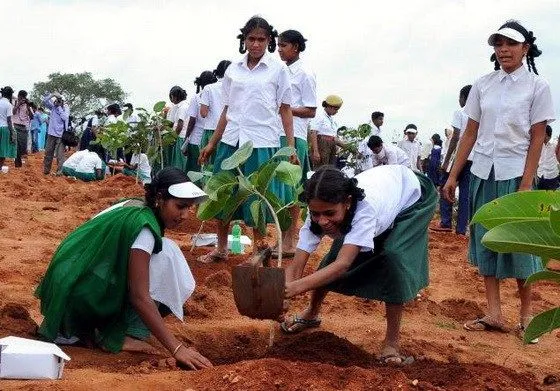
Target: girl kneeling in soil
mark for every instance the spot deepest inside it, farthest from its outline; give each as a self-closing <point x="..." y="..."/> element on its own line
<point x="379" y="221"/>
<point x="97" y="287"/>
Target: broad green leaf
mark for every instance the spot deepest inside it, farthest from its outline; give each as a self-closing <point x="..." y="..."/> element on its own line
<point x="265" y="174"/>
<point x="543" y="275"/>
<point x="195" y="176"/>
<point x="239" y="157"/>
<point x="234" y="202"/>
<point x="288" y="173"/>
<point x="284" y="151"/>
<point x="284" y="217"/>
<point x="219" y="184"/>
<point x="245" y="183"/>
<point x="159" y="106"/>
<point x="519" y="206"/>
<point x="210" y="208"/>
<point x="256" y="211"/>
<point x="545" y="322"/>
<point x="555" y="220"/>
<point x="532" y="237"/>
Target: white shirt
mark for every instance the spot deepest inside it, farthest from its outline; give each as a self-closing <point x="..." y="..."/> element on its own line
<point x="181" y="111"/>
<point x="459" y="121"/>
<point x="324" y="124"/>
<point x="111" y="119"/>
<point x="375" y="131"/>
<point x="390" y="154"/>
<point x="143" y="165"/>
<point x="413" y="150"/>
<point x="212" y="97"/>
<point x="253" y="97"/>
<point x="6" y="110"/>
<point x="74" y="159"/>
<point x="388" y="191"/>
<point x="89" y="163"/>
<point x="304" y="94"/>
<point x="194" y="112"/>
<point x="548" y="164"/>
<point x="506" y="106"/>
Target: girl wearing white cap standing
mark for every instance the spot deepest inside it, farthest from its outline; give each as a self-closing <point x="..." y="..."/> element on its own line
<point x="508" y="111"/>
<point x="257" y="99"/>
<point x="324" y="131"/>
<point x="97" y="287"/>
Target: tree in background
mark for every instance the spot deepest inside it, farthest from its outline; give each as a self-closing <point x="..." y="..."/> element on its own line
<point x="83" y="93"/>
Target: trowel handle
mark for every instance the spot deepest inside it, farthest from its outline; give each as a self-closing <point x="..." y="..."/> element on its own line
<point x="261" y="258"/>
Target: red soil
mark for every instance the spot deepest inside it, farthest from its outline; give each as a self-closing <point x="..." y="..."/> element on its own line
<point x="36" y="212"/>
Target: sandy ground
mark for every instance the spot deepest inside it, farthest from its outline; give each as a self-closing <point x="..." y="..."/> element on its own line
<point x="37" y="211"/>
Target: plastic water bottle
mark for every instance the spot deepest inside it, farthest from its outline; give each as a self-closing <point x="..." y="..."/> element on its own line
<point x="236" y="239"/>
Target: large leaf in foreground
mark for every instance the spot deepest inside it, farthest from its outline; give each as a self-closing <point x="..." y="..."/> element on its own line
<point x="288" y="173"/>
<point x="543" y="275"/>
<point x="545" y="322"/>
<point x="519" y="206"/>
<point x="239" y="157"/>
<point x="532" y="237"/>
<point x="220" y="184"/>
<point x="210" y="208"/>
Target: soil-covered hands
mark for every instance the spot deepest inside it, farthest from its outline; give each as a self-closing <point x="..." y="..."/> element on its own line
<point x="188" y="357"/>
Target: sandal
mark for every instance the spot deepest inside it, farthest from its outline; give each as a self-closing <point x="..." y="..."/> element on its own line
<point x="213" y="256"/>
<point x="485" y="324"/>
<point x="392" y="357"/>
<point x="520" y="333"/>
<point x="299" y="324"/>
<point x="285" y="254"/>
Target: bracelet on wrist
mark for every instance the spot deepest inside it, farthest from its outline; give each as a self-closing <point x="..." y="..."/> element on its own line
<point x="177" y="349"/>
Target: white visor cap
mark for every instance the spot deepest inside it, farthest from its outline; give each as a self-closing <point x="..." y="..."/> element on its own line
<point x="507" y="32"/>
<point x="188" y="190"/>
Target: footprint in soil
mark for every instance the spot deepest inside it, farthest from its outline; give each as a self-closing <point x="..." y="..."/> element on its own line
<point x="15" y="319"/>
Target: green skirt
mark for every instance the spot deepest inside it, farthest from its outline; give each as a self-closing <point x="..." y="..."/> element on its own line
<point x="259" y="157"/>
<point x="7" y="149"/>
<point x="68" y="171"/>
<point x="490" y="263"/>
<point x="172" y="155"/>
<point x="191" y="162"/>
<point x="397" y="268"/>
<point x="129" y="172"/>
<point x="302" y="149"/>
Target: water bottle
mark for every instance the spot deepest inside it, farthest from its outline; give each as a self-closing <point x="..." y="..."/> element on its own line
<point x="236" y="239"/>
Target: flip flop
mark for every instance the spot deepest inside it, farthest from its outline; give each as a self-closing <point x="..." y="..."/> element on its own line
<point x="483" y="324"/>
<point x="396" y="359"/>
<point x="285" y="254"/>
<point x="299" y="324"/>
<point x="212" y="257"/>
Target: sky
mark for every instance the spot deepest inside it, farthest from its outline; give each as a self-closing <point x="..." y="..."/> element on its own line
<point x="407" y="59"/>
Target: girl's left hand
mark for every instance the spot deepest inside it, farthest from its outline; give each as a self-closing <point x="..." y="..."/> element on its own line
<point x="294" y="160"/>
<point x="291" y="289"/>
<point x="523" y="187"/>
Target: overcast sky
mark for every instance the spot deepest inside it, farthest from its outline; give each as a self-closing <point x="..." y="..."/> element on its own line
<point x="407" y="59"/>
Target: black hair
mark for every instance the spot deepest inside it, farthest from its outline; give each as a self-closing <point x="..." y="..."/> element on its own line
<point x="530" y="39"/>
<point x="161" y="181"/>
<point x="295" y="38"/>
<point x="376" y="114"/>
<point x="178" y="92"/>
<point x="329" y="184"/>
<point x="465" y="91"/>
<point x="98" y="149"/>
<point x="220" y="70"/>
<point x="129" y="105"/>
<point x="374" y="142"/>
<point x="22" y="93"/>
<point x="114" y="109"/>
<point x="436" y="138"/>
<point x="254" y="23"/>
<point x="548" y="130"/>
<point x="33" y="105"/>
<point x="7" y="92"/>
<point x="205" y="78"/>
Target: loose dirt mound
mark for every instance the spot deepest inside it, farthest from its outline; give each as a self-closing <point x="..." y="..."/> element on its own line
<point x="15" y="320"/>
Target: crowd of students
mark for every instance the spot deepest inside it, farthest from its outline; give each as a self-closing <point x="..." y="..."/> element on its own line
<point x="379" y="219"/>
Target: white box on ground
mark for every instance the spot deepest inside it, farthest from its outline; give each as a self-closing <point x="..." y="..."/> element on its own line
<point x="212" y="240"/>
<point x="244" y="240"/>
<point x="22" y="358"/>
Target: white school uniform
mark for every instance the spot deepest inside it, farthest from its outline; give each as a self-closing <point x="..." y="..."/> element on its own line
<point x="212" y="97"/>
<point x="89" y="163"/>
<point x="375" y="131"/>
<point x="506" y="106"/>
<point x="304" y="94"/>
<point x="388" y="191"/>
<point x="253" y="97"/>
<point x="390" y="154"/>
<point x="74" y="159"/>
<point x="459" y="121"/>
<point x="548" y="163"/>
<point x="144" y="167"/>
<point x="193" y="111"/>
<point x="324" y="124"/>
<point x="181" y="111"/>
<point x="6" y="110"/>
<point x="413" y="150"/>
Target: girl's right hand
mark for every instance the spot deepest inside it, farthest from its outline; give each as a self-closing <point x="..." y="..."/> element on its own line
<point x="448" y="191"/>
<point x="190" y="358"/>
<point x="205" y="153"/>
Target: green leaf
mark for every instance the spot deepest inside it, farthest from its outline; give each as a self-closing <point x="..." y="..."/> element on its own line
<point x="210" y="208"/>
<point x="219" y="184"/>
<point x="159" y="106"/>
<point x="195" y="176"/>
<point x="234" y="202"/>
<point x="256" y="212"/>
<point x="288" y="173"/>
<point x="245" y="183"/>
<point x="555" y="220"/>
<point x="519" y="206"/>
<point x="284" y="216"/>
<point x="532" y="237"/>
<point x="543" y="275"/>
<point x="265" y="174"/>
<point x="284" y="152"/>
<point x="239" y="157"/>
<point x="544" y="322"/>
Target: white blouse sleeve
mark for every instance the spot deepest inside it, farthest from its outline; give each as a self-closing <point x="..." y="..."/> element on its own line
<point x="542" y="108"/>
<point x="284" y="89"/>
<point x="309" y="91"/>
<point x="145" y="241"/>
<point x="472" y="107"/>
<point x="308" y="241"/>
<point x="364" y="228"/>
